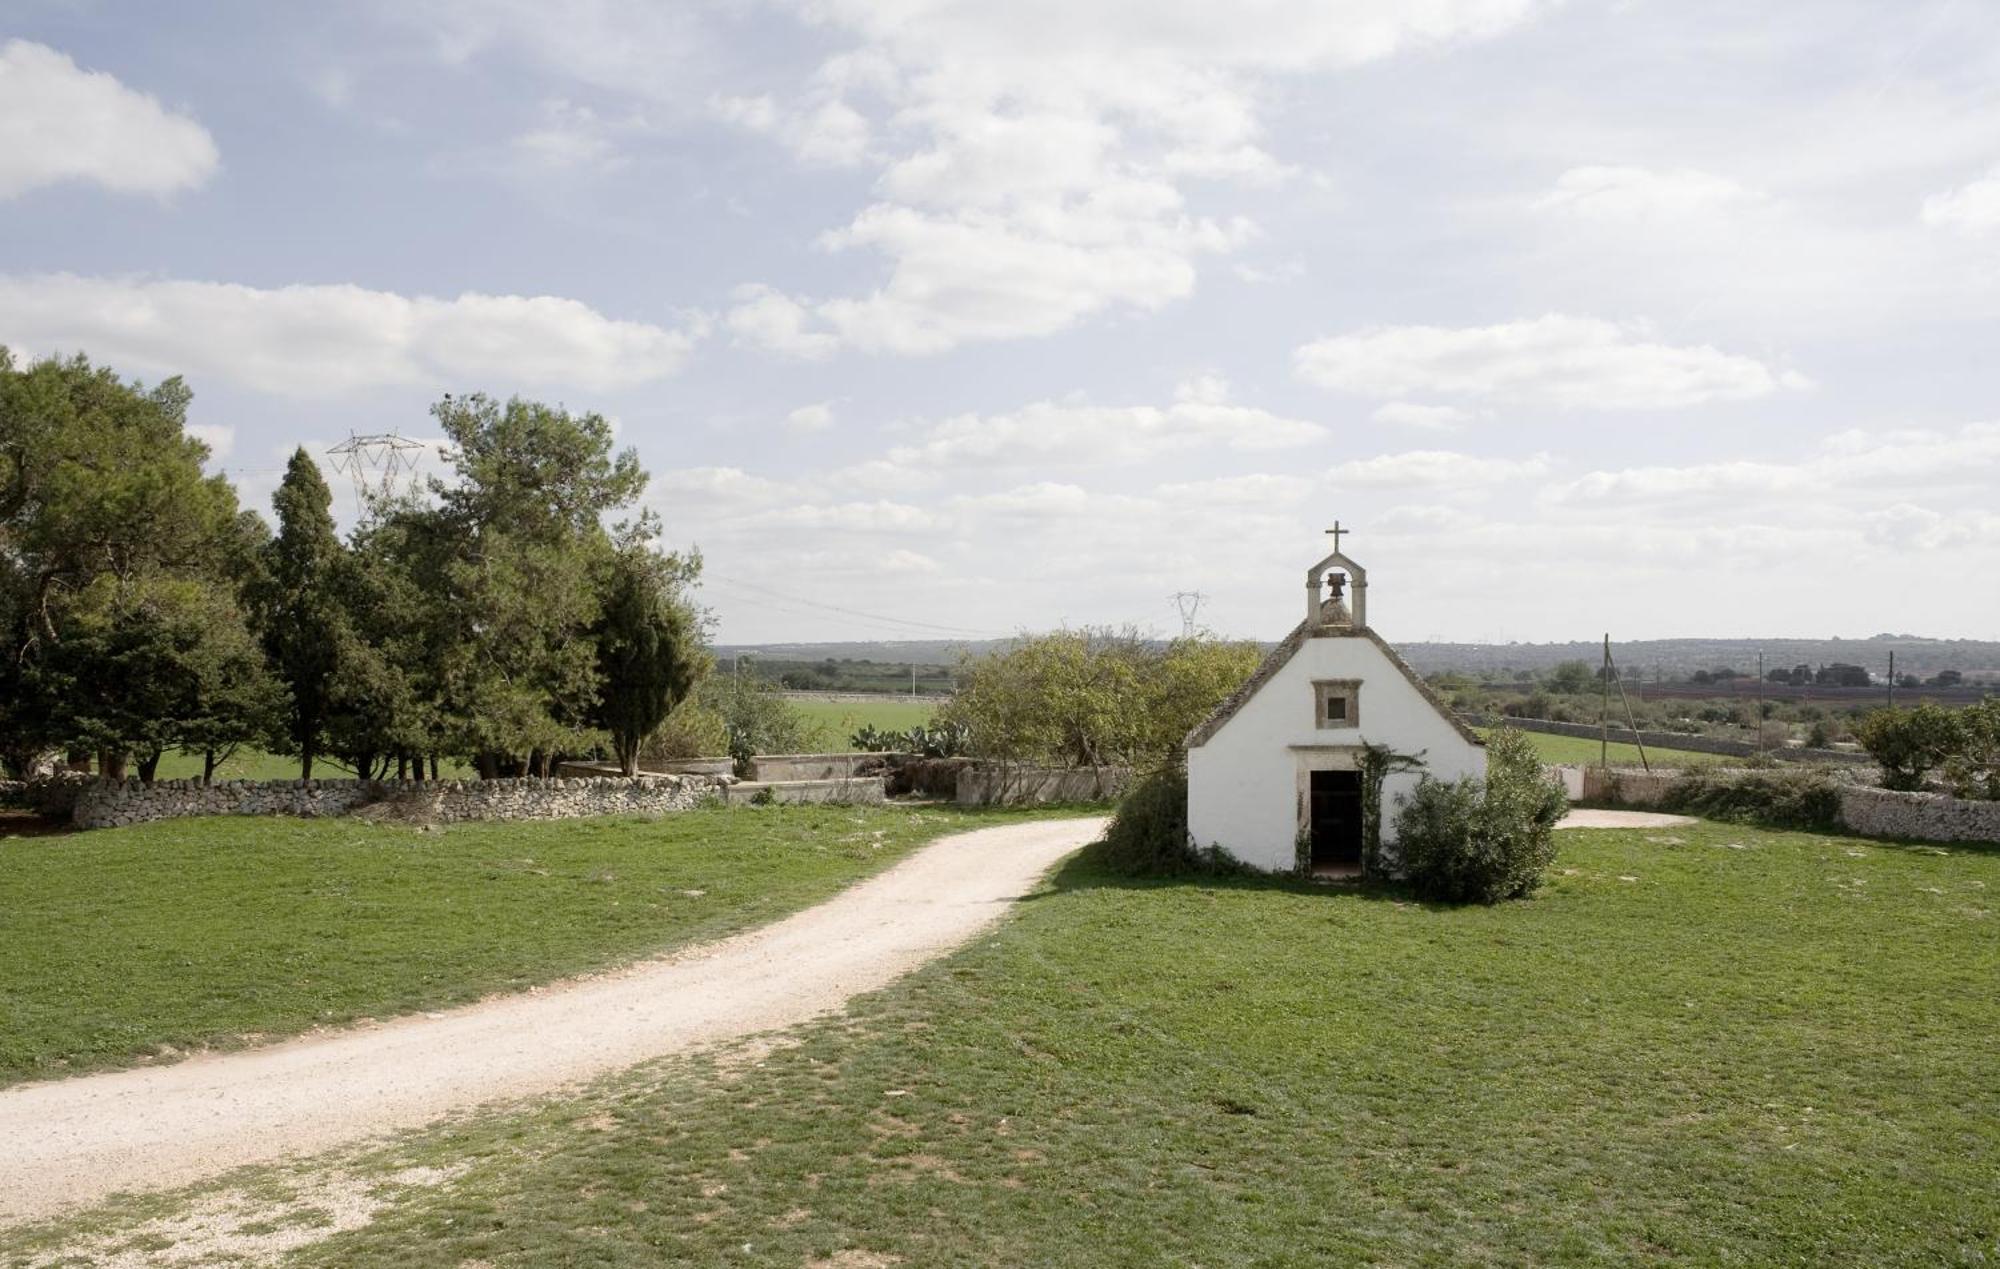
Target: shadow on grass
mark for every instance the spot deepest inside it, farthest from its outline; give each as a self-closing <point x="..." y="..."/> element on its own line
<point x="1085" y="870"/>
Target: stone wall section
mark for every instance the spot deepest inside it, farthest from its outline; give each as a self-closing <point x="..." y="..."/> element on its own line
<point x="106" y="804"/>
<point x="997" y="785"/>
<point x="1864" y="808"/>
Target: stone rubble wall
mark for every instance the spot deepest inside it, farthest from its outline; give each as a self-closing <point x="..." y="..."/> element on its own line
<point x="993" y="784"/>
<point x="1667" y="739"/>
<point x="1864" y="808"/>
<point x="54" y="795"/>
<point x="1931" y="817"/>
<point x="858" y="791"/>
<point x="770" y="768"/>
<point x="106" y="804"/>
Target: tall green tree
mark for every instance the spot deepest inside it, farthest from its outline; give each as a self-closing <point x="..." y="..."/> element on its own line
<point x="649" y="644"/>
<point x="103" y="503"/>
<point x="299" y="605"/>
<point x="525" y="538"/>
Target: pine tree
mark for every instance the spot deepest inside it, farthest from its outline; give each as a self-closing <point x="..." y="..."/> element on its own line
<point x="300" y="612"/>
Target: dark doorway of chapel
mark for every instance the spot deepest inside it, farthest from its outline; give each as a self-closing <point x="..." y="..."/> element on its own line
<point x="1336" y="821"/>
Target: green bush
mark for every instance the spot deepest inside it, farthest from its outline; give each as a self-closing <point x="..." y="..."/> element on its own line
<point x="1974" y="771"/>
<point x="1481" y="841"/>
<point x="1911" y="743"/>
<point x="1785" y="797"/>
<point x="1148" y="835"/>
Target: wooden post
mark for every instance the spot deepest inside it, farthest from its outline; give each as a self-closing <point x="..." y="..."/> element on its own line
<point x="1604" y="707"/>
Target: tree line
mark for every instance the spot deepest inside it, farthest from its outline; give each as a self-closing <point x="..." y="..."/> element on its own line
<point x="518" y="613"/>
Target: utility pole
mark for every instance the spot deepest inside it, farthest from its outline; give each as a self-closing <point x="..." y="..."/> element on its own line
<point x="1892" y="678"/>
<point x="1604" y="706"/>
<point x="1760" y="700"/>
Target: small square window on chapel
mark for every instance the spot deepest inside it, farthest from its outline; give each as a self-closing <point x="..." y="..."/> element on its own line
<point x="1337" y="702"/>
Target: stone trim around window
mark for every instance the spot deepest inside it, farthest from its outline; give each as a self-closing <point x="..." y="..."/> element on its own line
<point x="1336" y="703"/>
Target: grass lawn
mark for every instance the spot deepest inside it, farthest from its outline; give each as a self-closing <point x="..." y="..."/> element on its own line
<point x="255" y="764"/>
<point x="830" y="723"/>
<point x="1575" y="751"/>
<point x="1713" y="1045"/>
<point x="201" y="932"/>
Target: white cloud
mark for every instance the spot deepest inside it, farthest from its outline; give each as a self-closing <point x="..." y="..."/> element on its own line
<point x="1074" y="434"/>
<point x="1973" y="207"/>
<point x="1033" y="157"/>
<point x="59" y="122"/>
<point x="1434" y="467"/>
<point x="830" y="133"/>
<point x="1435" y="418"/>
<point x="569" y="138"/>
<point x="1556" y="360"/>
<point x="219" y="437"/>
<point x="811" y="418"/>
<point x="307" y="340"/>
<point x="1846" y="466"/>
<point x="774" y="320"/>
<point x="1640" y="193"/>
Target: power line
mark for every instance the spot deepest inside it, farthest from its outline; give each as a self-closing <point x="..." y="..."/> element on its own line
<point x="799" y="601"/>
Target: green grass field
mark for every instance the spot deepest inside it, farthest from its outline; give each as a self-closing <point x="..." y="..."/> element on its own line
<point x="831" y="723"/>
<point x="1574" y="751"/>
<point x="1709" y="1045"/>
<point x="192" y="933"/>
<point x="255" y="764"/>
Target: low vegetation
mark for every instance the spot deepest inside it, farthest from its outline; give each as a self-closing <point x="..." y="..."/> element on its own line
<point x="1095" y="698"/>
<point x="1480" y="841"/>
<point x="1963" y="746"/>
<point x="1148" y="835"/>
<point x="1706" y="1045"/>
<point x="185" y="934"/>
<point x="1794" y="797"/>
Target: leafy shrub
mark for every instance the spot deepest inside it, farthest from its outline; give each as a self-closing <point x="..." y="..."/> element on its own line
<point x="1148" y="835"/>
<point x="1974" y="771"/>
<point x="1477" y="841"/>
<point x="1911" y="743"/>
<point x="1783" y="797"/>
<point x="693" y="730"/>
<point x="941" y="739"/>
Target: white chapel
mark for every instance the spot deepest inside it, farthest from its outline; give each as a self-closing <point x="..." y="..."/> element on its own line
<point x="1275" y="772"/>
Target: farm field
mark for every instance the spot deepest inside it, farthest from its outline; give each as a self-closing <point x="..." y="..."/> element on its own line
<point x="1574" y="751"/>
<point x="121" y="943"/>
<point x="1776" y="1051"/>
<point x="831" y="722"/>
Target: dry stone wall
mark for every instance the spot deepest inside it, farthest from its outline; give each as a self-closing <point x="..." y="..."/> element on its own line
<point x="1931" y="817"/>
<point x="1864" y="808"/>
<point x="105" y="803"/>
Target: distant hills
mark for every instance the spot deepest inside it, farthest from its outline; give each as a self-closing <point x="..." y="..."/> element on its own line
<point x="1669" y="658"/>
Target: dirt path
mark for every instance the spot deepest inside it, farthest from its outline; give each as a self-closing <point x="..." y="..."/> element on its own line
<point x="1622" y="819"/>
<point x="76" y="1141"/>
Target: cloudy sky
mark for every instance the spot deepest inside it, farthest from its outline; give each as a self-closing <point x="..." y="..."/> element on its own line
<point x="1663" y="317"/>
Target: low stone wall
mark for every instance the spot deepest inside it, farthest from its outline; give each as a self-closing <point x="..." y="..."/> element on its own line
<point x="1668" y="740"/>
<point x="858" y="790"/>
<point x="678" y="766"/>
<point x="1932" y="817"/>
<point x="105" y="804"/>
<point x="781" y="767"/>
<point x="1864" y="808"/>
<point x="991" y="785"/>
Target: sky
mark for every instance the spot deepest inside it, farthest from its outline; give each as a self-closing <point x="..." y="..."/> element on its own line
<point x="952" y="318"/>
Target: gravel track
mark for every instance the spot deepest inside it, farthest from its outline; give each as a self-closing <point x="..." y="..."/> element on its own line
<point x="77" y="1141"/>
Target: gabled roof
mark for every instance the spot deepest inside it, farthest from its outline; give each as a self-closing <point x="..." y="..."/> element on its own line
<point x="1289" y="648"/>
